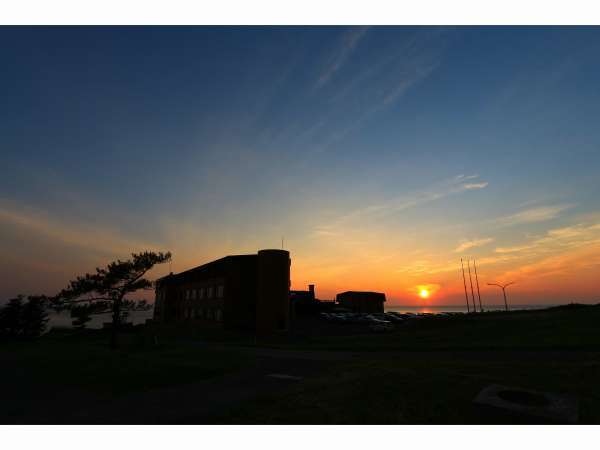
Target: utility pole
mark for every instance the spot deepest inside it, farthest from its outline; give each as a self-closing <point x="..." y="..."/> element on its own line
<point x="465" y="284"/>
<point x="471" y="281"/>
<point x="503" y="287"/>
<point x="478" y="292"/>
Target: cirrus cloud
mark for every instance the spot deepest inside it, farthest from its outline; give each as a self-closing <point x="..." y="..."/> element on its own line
<point x="533" y="215"/>
<point x="465" y="245"/>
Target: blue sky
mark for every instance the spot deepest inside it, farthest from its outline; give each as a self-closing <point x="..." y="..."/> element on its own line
<point x="377" y="152"/>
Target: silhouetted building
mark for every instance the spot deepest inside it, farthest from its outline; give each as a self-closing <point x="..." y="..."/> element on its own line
<point x="304" y="302"/>
<point x="303" y="296"/>
<point x="248" y="292"/>
<point x="361" y="302"/>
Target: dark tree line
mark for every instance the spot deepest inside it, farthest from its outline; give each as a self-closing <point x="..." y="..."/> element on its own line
<point x="104" y="291"/>
<point x="21" y="318"/>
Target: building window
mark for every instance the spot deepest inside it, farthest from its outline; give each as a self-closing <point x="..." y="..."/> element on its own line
<point x="218" y="315"/>
<point x="201" y="293"/>
<point x="220" y="291"/>
<point x="210" y="292"/>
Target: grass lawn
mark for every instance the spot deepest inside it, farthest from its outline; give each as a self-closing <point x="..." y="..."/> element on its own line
<point x="422" y="389"/>
<point x="426" y="371"/>
<point x="66" y="361"/>
<point x="429" y="370"/>
<point x="65" y="369"/>
<point x="562" y="328"/>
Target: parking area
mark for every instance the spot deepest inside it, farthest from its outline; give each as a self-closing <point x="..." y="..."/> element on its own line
<point x="379" y="322"/>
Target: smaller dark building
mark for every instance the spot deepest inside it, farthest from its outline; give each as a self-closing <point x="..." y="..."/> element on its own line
<point x="304" y="302"/>
<point x="361" y="302"/>
<point x="303" y="296"/>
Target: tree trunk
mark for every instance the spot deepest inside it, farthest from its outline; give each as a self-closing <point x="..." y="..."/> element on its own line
<point x="116" y="323"/>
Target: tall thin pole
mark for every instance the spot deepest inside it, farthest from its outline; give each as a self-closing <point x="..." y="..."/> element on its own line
<point x="477" y="281"/>
<point x="505" y="302"/>
<point x="471" y="281"/>
<point x="465" y="284"/>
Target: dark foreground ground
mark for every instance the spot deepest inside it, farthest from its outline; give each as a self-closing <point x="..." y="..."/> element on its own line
<point x="427" y="371"/>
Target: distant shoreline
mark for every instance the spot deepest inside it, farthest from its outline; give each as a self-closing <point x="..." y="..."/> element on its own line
<point x="64" y="319"/>
<point x="463" y="308"/>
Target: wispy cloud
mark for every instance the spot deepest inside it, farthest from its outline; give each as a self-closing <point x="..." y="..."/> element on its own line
<point x="412" y="57"/>
<point x="376" y="85"/>
<point x="557" y="239"/>
<point x="412" y="75"/>
<point x="428" y="268"/>
<point x="438" y="191"/>
<point x="324" y="232"/>
<point x="533" y="215"/>
<point x="473" y="243"/>
<point x="574" y="232"/>
<point x="565" y="263"/>
<point x="92" y="238"/>
<point x="411" y="72"/>
<point x="350" y="40"/>
<point x="476" y="185"/>
<point x="448" y="265"/>
<point x="513" y="249"/>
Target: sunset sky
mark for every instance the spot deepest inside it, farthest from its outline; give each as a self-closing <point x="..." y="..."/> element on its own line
<point x="381" y="155"/>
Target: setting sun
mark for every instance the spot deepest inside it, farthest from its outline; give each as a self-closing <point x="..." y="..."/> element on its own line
<point x="425" y="291"/>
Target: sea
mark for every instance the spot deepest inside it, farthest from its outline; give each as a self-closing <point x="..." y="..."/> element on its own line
<point x="64" y="319"/>
<point x="457" y="308"/>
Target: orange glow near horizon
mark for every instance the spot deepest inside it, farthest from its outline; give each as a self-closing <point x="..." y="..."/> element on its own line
<point x="555" y="266"/>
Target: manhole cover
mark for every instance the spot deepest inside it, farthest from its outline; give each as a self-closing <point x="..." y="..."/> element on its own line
<point x="523" y="398"/>
<point x="526" y="403"/>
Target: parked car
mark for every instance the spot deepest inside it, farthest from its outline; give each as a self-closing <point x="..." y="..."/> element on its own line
<point x="394" y="318"/>
<point x="381" y="327"/>
<point x="375" y="319"/>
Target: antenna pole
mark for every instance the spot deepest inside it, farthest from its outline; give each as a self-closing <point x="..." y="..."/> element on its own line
<point x="281" y="242"/>
<point x="465" y="284"/>
<point x="477" y="281"/>
<point x="471" y="281"/>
